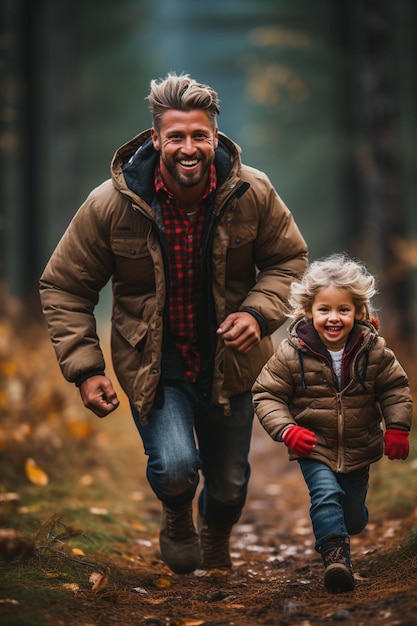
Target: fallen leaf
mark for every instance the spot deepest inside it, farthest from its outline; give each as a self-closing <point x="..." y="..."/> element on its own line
<point x="8" y="601"/>
<point x="162" y="582"/>
<point x="74" y="587"/>
<point x="79" y="429"/>
<point x="86" y="480"/>
<point x="99" y="580"/>
<point x="184" y="621"/>
<point x="95" y="510"/>
<point x="29" y="509"/>
<point x="78" y="551"/>
<point x="9" y="497"/>
<point x="35" y="474"/>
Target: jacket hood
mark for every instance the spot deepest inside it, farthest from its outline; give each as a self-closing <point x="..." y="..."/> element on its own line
<point x="302" y="332"/>
<point x="133" y="165"/>
<point x="303" y="337"/>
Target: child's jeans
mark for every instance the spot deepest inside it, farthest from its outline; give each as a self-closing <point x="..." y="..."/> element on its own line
<point x="337" y="500"/>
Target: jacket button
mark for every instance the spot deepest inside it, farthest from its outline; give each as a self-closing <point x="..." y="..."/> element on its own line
<point x="237" y="241"/>
<point x="132" y="252"/>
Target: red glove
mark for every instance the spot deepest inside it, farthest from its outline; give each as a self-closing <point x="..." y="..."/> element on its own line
<point x="300" y="440"/>
<point x="396" y="443"/>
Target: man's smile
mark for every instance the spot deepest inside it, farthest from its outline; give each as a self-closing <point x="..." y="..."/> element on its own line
<point x="188" y="162"/>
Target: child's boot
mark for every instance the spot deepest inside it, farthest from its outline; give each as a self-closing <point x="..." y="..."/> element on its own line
<point x="338" y="573"/>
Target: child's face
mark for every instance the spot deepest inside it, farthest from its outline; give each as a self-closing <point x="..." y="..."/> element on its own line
<point x="333" y="314"/>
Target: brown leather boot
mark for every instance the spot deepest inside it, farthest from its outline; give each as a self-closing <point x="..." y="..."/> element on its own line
<point x="338" y="573"/>
<point x="214" y="542"/>
<point x="178" y="539"/>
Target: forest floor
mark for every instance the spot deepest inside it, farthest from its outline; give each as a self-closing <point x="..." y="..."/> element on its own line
<point x="94" y="557"/>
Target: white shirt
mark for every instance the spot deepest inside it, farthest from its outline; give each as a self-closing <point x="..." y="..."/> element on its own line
<point x="337" y="363"/>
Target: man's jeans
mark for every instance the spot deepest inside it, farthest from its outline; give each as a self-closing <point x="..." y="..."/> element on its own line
<point x="174" y="457"/>
<point x="337" y="500"/>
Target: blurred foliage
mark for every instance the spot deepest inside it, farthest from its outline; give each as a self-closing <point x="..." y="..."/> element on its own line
<point x="42" y="421"/>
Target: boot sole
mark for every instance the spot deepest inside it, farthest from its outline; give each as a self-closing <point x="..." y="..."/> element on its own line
<point x="338" y="578"/>
<point x="181" y="557"/>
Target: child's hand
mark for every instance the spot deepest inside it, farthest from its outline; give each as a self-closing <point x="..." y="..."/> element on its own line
<point x="396" y="443"/>
<point x="300" y="440"/>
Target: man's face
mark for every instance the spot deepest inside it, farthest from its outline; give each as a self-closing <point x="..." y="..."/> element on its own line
<point x="186" y="142"/>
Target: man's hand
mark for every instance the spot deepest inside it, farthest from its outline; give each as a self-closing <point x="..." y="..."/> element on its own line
<point x="240" y="331"/>
<point x="98" y="395"/>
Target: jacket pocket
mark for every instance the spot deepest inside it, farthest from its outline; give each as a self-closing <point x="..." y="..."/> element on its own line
<point x="240" y="253"/>
<point x="133" y="262"/>
<point x="132" y="329"/>
<point x="242" y="233"/>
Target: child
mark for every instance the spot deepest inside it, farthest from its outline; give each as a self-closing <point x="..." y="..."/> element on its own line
<point x="324" y="393"/>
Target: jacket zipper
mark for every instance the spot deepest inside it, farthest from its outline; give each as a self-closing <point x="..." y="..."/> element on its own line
<point x="340" y="428"/>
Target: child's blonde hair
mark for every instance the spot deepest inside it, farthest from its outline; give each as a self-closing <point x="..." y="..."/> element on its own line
<point x="341" y="272"/>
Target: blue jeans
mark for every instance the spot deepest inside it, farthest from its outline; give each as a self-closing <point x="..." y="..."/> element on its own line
<point x="175" y="459"/>
<point x="337" y="500"/>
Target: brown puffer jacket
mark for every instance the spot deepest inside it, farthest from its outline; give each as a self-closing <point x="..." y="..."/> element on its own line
<point x="253" y="250"/>
<point x="298" y="386"/>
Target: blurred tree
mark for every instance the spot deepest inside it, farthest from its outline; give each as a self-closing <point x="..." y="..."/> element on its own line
<point x="377" y="226"/>
<point x="314" y="92"/>
<point x="25" y="28"/>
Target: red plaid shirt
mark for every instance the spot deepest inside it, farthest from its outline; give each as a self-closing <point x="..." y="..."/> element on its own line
<point x="184" y="237"/>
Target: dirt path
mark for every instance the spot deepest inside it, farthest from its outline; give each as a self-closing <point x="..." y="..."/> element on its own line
<point x="277" y="576"/>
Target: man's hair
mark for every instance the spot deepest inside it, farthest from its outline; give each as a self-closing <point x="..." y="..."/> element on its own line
<point x="182" y="93"/>
<point x="341" y="272"/>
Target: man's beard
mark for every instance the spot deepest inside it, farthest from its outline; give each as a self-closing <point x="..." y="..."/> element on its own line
<point x="184" y="180"/>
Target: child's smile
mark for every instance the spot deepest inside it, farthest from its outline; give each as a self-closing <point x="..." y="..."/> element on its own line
<point x="333" y="313"/>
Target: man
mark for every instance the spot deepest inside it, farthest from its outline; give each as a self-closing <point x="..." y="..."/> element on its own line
<point x="201" y="251"/>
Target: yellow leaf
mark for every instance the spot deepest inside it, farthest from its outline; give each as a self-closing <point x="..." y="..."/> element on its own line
<point x="79" y="429"/>
<point x="78" y="551"/>
<point x="29" y="509"/>
<point x="162" y="582"/>
<point x="35" y="474"/>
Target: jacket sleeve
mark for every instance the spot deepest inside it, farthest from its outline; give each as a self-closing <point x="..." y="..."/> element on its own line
<point x="78" y="269"/>
<point x="271" y="395"/>
<point x="393" y="391"/>
<point x="281" y="255"/>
